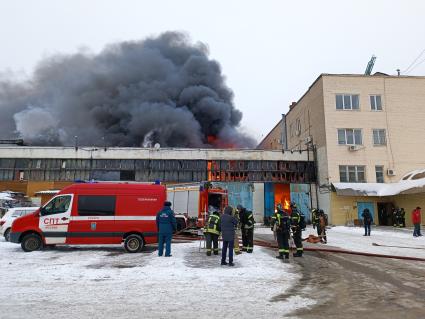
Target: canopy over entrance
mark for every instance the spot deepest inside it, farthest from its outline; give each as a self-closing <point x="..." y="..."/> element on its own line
<point x="411" y="183"/>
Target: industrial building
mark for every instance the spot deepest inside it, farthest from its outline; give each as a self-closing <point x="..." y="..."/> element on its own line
<point x="366" y="134"/>
<point x="255" y="178"/>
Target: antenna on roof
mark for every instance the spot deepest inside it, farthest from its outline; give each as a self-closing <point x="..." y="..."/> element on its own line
<point x="370" y="65"/>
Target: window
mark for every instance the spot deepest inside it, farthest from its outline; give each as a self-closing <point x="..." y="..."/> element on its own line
<point x="96" y="205"/>
<point x="379" y="171"/>
<point x="297" y="127"/>
<point x="347" y="102"/>
<point x="375" y="103"/>
<point x="57" y="205"/>
<point x="352" y="174"/>
<point x="349" y="136"/>
<point x="379" y="137"/>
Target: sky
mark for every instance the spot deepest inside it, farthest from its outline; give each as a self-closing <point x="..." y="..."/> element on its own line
<point x="270" y="51"/>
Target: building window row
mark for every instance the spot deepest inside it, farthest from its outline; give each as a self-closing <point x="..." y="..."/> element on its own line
<point x="379" y="137"/>
<point x="353" y="136"/>
<point x="347" y="102"/>
<point x="351" y="102"/>
<point x="356" y="174"/>
<point x="349" y="136"/>
<point x="352" y="174"/>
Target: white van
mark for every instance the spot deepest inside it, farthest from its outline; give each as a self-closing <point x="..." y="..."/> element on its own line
<point x="13" y="213"/>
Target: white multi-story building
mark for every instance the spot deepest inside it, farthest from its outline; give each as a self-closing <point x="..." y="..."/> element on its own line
<point x="368" y="132"/>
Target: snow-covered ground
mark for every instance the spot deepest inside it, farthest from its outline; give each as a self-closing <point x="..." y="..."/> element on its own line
<point x="99" y="282"/>
<point x="351" y="238"/>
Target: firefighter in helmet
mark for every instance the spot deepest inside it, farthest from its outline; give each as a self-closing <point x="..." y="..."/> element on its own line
<point x="315" y="219"/>
<point x="323" y="222"/>
<point x="212" y="232"/>
<point x="297" y="227"/>
<point x="247" y="228"/>
<point x="281" y="224"/>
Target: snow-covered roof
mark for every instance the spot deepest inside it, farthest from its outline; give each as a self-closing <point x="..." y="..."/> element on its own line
<point x="5" y="196"/>
<point x="411" y="183"/>
<point x="48" y="192"/>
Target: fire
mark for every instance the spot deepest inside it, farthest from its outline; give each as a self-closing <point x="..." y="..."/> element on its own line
<point x="218" y="143"/>
<point x="286" y="205"/>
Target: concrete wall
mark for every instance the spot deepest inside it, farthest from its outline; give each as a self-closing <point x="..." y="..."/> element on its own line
<point x="148" y="153"/>
<point x="258" y="202"/>
<point x="344" y="208"/>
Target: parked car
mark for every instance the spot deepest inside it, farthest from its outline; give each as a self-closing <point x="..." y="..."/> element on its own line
<point x="13" y="213"/>
<point x="94" y="213"/>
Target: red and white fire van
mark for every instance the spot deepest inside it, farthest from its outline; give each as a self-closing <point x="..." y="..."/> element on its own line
<point x="94" y="213"/>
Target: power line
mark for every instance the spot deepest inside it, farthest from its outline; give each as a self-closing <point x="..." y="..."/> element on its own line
<point x="416" y="65"/>
<point x="411" y="64"/>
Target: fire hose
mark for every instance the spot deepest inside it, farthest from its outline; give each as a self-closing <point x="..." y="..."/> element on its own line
<point x="270" y="245"/>
<point x="340" y="251"/>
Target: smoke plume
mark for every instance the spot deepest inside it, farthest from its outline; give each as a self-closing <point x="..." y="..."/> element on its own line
<point x="160" y="90"/>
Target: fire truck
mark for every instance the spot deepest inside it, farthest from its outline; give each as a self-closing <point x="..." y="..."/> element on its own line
<point x="94" y="213"/>
<point x="193" y="202"/>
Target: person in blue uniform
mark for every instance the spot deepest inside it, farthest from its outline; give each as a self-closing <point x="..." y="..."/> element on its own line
<point x="166" y="223"/>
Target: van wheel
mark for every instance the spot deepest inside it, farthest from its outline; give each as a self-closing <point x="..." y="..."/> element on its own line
<point x="134" y="244"/>
<point x="31" y="242"/>
<point x="7" y="234"/>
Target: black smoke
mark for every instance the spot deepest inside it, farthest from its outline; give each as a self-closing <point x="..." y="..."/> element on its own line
<point x="162" y="90"/>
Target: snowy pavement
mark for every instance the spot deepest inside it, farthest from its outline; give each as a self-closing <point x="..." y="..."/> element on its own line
<point x="351" y="238"/>
<point x="105" y="282"/>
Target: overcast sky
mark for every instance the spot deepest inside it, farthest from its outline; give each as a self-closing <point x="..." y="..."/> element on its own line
<point x="270" y="51"/>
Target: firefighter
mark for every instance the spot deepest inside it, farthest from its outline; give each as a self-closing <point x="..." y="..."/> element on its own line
<point x="367" y="221"/>
<point x="166" y="224"/>
<point x="297" y="227"/>
<point x="398" y="217"/>
<point x="247" y="228"/>
<point x="212" y="232"/>
<point x="395" y="217"/>
<point x="281" y="225"/>
<point x="323" y="221"/>
<point x="236" y="248"/>
<point x="403" y="217"/>
<point x="314" y="217"/>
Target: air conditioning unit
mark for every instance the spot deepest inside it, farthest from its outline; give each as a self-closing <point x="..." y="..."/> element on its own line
<point x="390" y="172"/>
<point x="353" y="147"/>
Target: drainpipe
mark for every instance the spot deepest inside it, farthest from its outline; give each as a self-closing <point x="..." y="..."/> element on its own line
<point x="283" y="138"/>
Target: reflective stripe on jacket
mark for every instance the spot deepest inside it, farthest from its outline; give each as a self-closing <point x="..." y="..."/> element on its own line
<point x="249" y="221"/>
<point x="282" y="221"/>
<point x="213" y="225"/>
<point x="295" y="218"/>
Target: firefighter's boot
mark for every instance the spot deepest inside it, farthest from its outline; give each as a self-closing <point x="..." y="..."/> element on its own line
<point x="298" y="254"/>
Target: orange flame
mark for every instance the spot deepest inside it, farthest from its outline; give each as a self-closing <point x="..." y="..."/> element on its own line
<point x="218" y="143"/>
<point x="286" y="205"/>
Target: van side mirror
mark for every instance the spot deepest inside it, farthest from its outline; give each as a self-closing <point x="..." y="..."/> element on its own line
<point x="42" y="211"/>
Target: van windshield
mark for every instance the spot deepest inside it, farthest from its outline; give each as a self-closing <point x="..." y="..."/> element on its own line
<point x="57" y="205"/>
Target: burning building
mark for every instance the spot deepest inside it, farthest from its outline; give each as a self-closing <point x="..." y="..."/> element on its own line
<point x="256" y="178"/>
